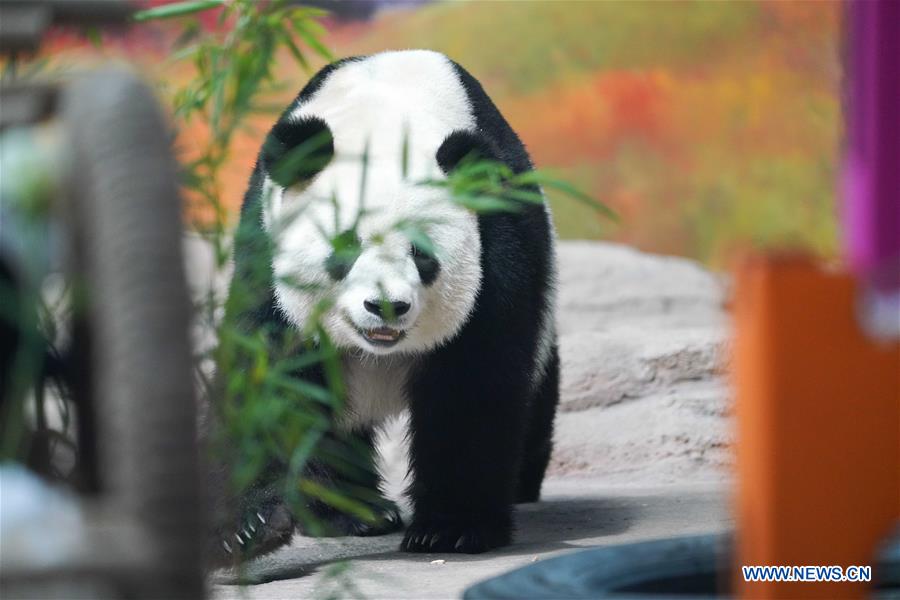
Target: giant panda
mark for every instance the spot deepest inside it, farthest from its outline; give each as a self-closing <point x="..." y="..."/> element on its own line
<point x="462" y="336"/>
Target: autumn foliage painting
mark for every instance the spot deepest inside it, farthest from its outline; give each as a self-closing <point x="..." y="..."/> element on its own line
<point x="709" y="129"/>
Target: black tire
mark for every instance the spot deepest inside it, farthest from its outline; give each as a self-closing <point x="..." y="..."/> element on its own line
<point x="124" y="218"/>
<point x="692" y="567"/>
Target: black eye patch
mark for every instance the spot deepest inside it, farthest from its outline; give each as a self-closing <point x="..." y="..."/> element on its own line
<point x="427" y="265"/>
<point x="295" y="151"/>
<point x="346" y="248"/>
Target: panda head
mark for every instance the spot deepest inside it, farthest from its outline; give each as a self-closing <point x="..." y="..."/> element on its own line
<point x="342" y="249"/>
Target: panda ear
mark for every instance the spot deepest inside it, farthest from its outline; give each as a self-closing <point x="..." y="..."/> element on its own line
<point x="295" y="151"/>
<point x="463" y="144"/>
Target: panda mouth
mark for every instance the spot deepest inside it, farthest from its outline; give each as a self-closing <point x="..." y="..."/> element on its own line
<point x="382" y="336"/>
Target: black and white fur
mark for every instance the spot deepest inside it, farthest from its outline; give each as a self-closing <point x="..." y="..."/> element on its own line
<point x="477" y="363"/>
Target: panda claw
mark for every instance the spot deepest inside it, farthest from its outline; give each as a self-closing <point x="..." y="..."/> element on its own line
<point x="260" y="517"/>
<point x="227" y="547"/>
<point x="239" y="539"/>
<point x="460" y="542"/>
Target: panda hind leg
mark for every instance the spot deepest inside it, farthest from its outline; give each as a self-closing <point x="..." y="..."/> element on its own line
<point x="539" y="433"/>
<point x="348" y="468"/>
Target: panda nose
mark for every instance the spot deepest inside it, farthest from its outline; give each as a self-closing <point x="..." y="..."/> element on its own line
<point x="400" y="308"/>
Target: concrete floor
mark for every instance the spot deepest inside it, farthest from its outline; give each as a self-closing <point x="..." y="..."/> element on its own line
<point x="575" y="514"/>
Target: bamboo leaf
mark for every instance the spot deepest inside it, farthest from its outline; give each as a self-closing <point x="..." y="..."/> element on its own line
<point x="304" y="388"/>
<point x="418" y="237"/>
<point x="485" y="204"/>
<point x="178" y="9"/>
<point x="312" y="41"/>
<point x="295" y="50"/>
<point x="336" y="500"/>
<point x="574" y="193"/>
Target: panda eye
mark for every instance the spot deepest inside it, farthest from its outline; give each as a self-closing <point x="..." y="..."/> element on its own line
<point x="427" y="265"/>
<point x="346" y="248"/>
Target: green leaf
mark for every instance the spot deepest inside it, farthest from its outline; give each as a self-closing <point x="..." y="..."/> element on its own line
<point x="94" y="36"/>
<point x="346" y="241"/>
<point x="404" y="153"/>
<point x="304" y="388"/>
<point x="569" y="190"/>
<point x="485" y="204"/>
<point x="307" y="359"/>
<point x="336" y="500"/>
<point x="303" y="161"/>
<point x="178" y="9"/>
<point x="418" y="236"/>
<point x="309" y="12"/>
<point x="294" y="49"/>
<point x="312" y="41"/>
<point x="522" y="195"/>
<point x="185" y="52"/>
<point x="303" y="451"/>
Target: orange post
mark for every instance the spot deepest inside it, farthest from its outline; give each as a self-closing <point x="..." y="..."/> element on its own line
<point x="818" y="410"/>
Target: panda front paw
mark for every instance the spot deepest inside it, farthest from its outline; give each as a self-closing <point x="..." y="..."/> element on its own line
<point x="387" y="520"/>
<point x="464" y="535"/>
<point x="333" y="523"/>
<point x="258" y="531"/>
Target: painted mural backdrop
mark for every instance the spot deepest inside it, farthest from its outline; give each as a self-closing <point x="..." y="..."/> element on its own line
<point x="709" y="127"/>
